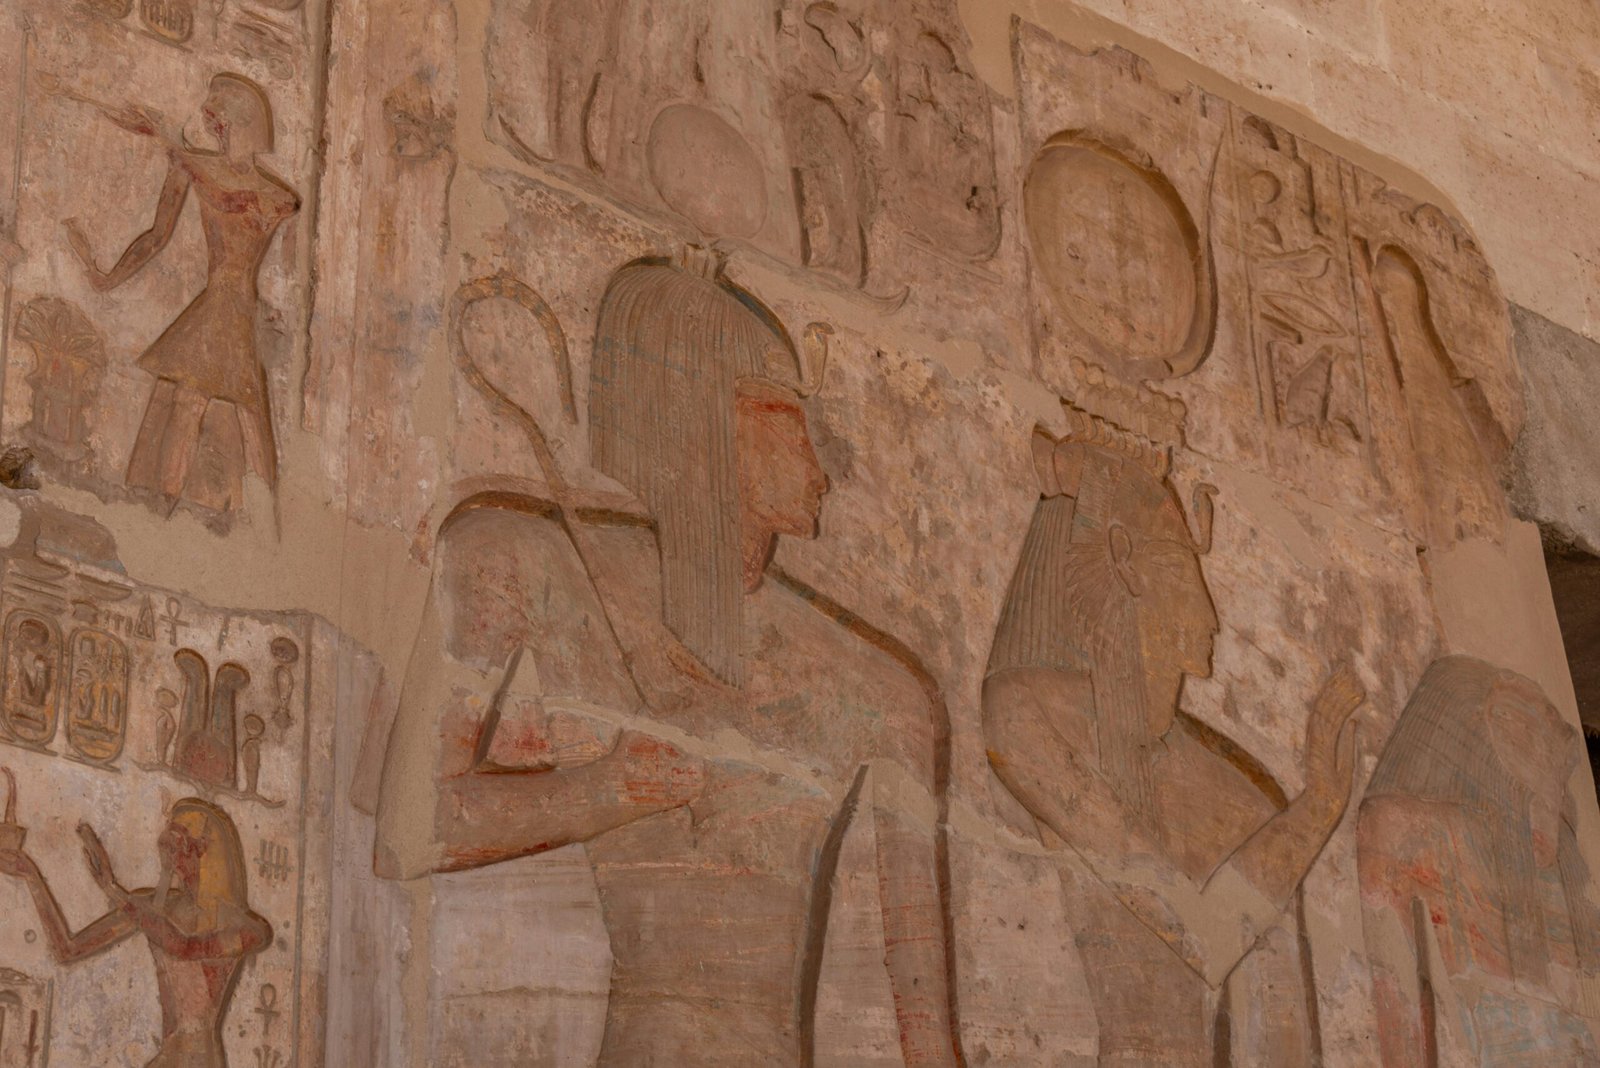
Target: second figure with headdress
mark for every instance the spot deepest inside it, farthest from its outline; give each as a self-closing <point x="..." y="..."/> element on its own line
<point x="1185" y="855"/>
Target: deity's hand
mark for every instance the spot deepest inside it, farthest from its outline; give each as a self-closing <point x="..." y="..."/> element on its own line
<point x="657" y="773"/>
<point x="79" y="242"/>
<point x="135" y="119"/>
<point x="16" y="862"/>
<point x="99" y="861"/>
<point x="1331" y="736"/>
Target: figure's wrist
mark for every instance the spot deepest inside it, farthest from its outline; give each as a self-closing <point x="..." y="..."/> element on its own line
<point x="1327" y="794"/>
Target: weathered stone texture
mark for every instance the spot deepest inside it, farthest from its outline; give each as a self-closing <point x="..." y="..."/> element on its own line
<point x="1560" y="445"/>
<point x="809" y="533"/>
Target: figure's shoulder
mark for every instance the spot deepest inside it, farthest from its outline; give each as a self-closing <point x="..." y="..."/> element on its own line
<point x="1398" y="822"/>
<point x="1201" y="760"/>
<point x="537" y="528"/>
<point x="857" y="653"/>
<point x="517" y="571"/>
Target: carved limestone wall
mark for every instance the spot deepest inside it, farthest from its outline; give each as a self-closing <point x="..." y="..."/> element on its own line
<point x="728" y="533"/>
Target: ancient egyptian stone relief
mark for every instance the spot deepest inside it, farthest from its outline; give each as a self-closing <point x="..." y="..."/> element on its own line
<point x="159" y="791"/>
<point x="25" y="1006"/>
<point x="1303" y="323"/>
<point x="821" y="122"/>
<point x="855" y="149"/>
<point x="581" y="652"/>
<point x="1107" y="615"/>
<point x="149" y="336"/>
<point x="1297" y="257"/>
<point x="391" y="162"/>
<point x="1213" y="295"/>
<point x="1480" y="920"/>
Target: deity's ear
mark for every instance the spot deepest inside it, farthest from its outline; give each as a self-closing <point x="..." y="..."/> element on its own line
<point x="1120" y="543"/>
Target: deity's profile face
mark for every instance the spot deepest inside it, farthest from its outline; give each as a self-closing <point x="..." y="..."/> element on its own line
<point x="182" y="846"/>
<point x="781" y="481"/>
<point x="237" y="115"/>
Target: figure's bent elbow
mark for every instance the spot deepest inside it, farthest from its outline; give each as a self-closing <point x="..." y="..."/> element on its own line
<point x="405" y="846"/>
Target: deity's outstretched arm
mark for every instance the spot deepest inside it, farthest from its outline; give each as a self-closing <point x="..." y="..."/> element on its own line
<point x="444" y="807"/>
<point x="142" y="249"/>
<point x="1212" y="923"/>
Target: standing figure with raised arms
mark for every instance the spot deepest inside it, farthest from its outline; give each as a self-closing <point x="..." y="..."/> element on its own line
<point x="210" y="391"/>
<point x="197" y="922"/>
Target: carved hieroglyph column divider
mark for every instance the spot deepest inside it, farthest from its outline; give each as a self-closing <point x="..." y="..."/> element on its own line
<point x="17" y="50"/>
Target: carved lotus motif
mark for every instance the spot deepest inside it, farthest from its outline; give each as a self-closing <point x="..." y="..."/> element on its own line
<point x="53" y="326"/>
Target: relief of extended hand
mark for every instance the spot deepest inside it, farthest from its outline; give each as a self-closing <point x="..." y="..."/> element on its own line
<point x="1331" y="736"/>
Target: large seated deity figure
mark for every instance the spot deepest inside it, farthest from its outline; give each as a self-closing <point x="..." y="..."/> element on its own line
<point x="706" y="724"/>
<point x="1480" y="925"/>
<point x="1178" y="860"/>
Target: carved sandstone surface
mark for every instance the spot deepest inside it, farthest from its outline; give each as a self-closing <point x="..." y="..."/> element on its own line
<point x="1483" y="933"/>
<point x="161" y="794"/>
<point x="861" y="570"/>
<point x="160" y="153"/>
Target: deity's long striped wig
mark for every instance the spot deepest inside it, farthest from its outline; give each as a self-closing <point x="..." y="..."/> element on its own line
<point x="1068" y="610"/>
<point x="672" y="342"/>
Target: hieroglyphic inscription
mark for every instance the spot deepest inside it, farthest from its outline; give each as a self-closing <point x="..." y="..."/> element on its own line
<point x="274" y="865"/>
<point x="264" y="41"/>
<point x="24" y="1020"/>
<point x="68" y="370"/>
<point x="784" y="141"/>
<point x="1302" y="296"/>
<point x="180" y="748"/>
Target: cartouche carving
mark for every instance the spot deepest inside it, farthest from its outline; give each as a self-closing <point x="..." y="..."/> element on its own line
<point x="1446" y="421"/>
<point x="33" y="657"/>
<point x="96" y="695"/>
<point x="169" y="20"/>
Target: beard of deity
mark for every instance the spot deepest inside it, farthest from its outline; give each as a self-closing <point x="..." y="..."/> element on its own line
<point x="671" y="344"/>
<point x="1068" y="610"/>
